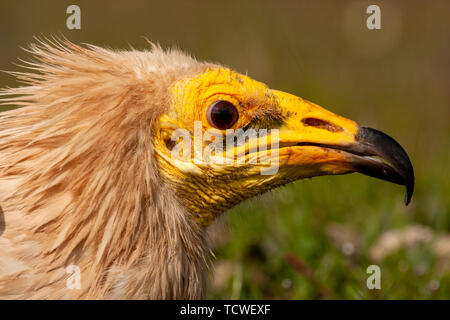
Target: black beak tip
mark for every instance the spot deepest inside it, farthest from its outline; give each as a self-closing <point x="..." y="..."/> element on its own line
<point x="375" y="142"/>
<point x="409" y="189"/>
<point x="408" y="196"/>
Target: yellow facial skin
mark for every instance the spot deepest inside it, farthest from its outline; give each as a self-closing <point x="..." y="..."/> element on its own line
<point x="209" y="189"/>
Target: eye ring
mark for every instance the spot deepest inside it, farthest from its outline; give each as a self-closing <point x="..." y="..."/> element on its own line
<point x="222" y="114"/>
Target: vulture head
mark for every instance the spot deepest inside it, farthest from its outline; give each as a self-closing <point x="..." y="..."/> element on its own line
<point x="118" y="161"/>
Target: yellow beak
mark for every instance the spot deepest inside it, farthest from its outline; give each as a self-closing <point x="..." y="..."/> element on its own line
<point x="321" y="142"/>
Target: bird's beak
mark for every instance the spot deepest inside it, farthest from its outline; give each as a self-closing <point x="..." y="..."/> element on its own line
<point x="321" y="142"/>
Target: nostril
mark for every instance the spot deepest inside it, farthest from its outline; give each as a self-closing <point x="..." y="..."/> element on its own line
<point x="321" y="124"/>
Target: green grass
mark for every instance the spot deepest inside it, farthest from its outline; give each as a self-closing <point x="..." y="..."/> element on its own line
<point x="294" y="220"/>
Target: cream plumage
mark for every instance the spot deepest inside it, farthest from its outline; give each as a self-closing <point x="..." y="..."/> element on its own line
<point x="71" y="194"/>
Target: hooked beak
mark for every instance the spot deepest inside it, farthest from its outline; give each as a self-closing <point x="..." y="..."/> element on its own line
<point x="372" y="143"/>
<point x="398" y="169"/>
<point x="315" y="138"/>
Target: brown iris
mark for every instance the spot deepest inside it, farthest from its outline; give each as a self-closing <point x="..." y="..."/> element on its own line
<point x="222" y="114"/>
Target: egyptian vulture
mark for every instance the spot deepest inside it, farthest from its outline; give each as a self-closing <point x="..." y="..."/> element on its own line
<point x="96" y="173"/>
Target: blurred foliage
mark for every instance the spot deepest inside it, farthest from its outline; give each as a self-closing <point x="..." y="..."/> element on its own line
<point x="395" y="79"/>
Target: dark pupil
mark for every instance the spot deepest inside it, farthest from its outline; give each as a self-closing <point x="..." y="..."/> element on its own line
<point x="222" y="114"/>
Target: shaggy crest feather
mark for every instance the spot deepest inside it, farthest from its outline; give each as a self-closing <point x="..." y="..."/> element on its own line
<point x="79" y="183"/>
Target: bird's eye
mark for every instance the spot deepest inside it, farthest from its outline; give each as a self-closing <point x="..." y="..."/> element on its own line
<point x="222" y="114"/>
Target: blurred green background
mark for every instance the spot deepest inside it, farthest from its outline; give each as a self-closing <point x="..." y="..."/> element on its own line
<point x="314" y="238"/>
